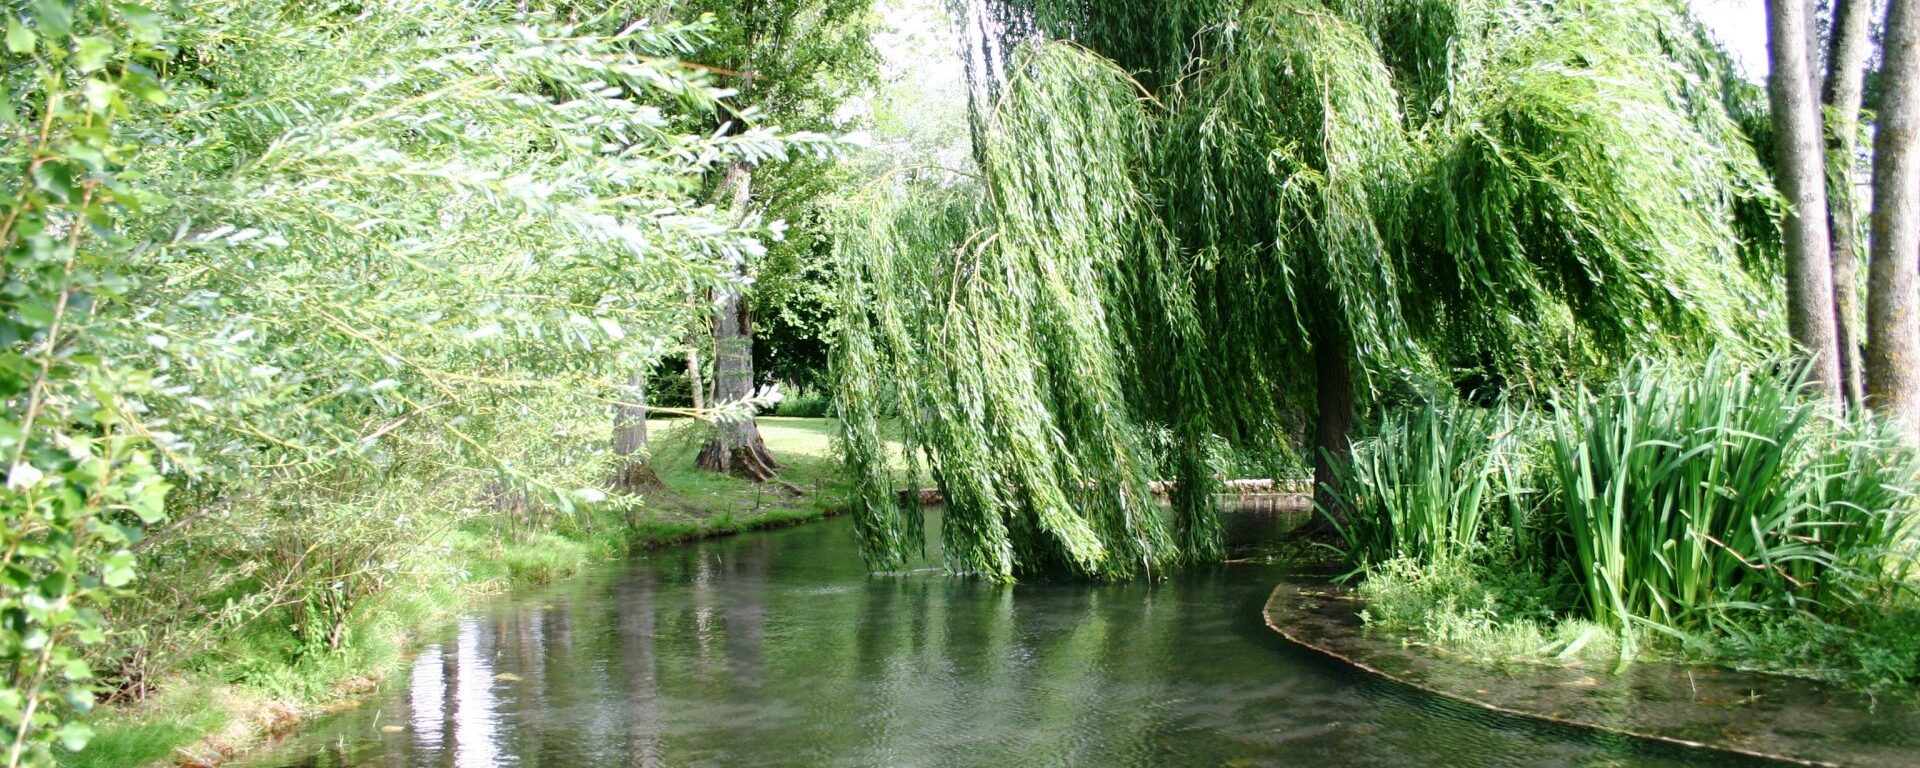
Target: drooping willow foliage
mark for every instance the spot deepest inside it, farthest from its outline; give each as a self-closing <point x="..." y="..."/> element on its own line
<point x="1196" y="222"/>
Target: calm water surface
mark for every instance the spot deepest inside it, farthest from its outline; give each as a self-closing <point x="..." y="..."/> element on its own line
<point x="778" y="649"/>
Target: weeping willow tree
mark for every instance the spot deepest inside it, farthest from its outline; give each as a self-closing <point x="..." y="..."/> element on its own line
<point x="1212" y="222"/>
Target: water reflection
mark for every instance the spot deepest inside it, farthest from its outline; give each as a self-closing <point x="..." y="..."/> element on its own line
<point x="426" y="694"/>
<point x="778" y="649"/>
<point x="475" y="716"/>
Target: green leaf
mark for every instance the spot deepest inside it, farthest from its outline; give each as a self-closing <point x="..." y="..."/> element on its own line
<point x="149" y="501"/>
<point x="144" y="23"/>
<point x="117" y="569"/>
<point x="91" y="53"/>
<point x="56" y="180"/>
<point x="74" y="736"/>
<point x="99" y="95"/>
<point x="142" y="83"/>
<point x="55" y="17"/>
<point x="20" y="40"/>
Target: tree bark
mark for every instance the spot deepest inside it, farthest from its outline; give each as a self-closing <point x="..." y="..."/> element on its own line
<point x="1893" y="330"/>
<point x="1802" y="178"/>
<point x="634" y="471"/>
<point x="1333" y="414"/>
<point x="1845" y="81"/>
<point x="734" y="446"/>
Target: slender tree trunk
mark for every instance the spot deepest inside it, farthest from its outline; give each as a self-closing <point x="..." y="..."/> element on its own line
<point x="1333" y="413"/>
<point x="734" y="446"/>
<point x="696" y="388"/>
<point x="1802" y="178"/>
<point x="634" y="472"/>
<point x="1893" y="330"/>
<point x="1846" y="74"/>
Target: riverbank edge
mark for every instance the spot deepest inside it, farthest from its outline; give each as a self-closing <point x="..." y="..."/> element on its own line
<point x="228" y="721"/>
<point x="1306" y="635"/>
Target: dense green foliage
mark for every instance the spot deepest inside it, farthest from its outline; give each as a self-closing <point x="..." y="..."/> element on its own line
<point x="1197" y="221"/>
<point x="355" y="283"/>
<point x="1698" y="503"/>
<point x="80" y="481"/>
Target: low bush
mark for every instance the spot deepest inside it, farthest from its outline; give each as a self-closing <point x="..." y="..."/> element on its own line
<point x="805" y="404"/>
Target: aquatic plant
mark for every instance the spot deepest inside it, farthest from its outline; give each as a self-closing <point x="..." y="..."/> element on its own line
<point x="1695" y="502"/>
<point x="1431" y="482"/>
<point x="1687" y="496"/>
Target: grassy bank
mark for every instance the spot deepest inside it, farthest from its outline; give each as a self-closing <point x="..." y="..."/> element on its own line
<point x="263" y="678"/>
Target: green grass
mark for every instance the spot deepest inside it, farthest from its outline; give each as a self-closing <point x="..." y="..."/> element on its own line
<point x="262" y="669"/>
<point x="149" y="740"/>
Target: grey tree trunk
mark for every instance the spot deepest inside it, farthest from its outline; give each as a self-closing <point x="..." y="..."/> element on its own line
<point x="1846" y="74"/>
<point x="634" y="471"/>
<point x="734" y="446"/>
<point x="1893" y="330"/>
<point x="1802" y="178"/>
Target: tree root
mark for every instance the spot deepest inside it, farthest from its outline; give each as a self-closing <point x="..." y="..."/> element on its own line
<point x="636" y="478"/>
<point x="752" y="462"/>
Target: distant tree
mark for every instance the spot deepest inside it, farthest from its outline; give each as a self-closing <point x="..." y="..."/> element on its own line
<point x="795" y="63"/>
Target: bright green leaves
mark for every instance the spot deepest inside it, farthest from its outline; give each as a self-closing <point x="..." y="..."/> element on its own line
<point x="78" y="484"/>
<point x="20" y="40"/>
<point x="1009" y="357"/>
<point x="143" y="24"/>
<point x="334" y="269"/>
<point x="90" y="54"/>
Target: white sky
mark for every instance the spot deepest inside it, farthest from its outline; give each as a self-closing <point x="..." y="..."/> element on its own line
<point x="1741" y="26"/>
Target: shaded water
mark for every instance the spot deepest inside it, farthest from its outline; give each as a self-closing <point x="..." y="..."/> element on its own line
<point x="777" y="649"/>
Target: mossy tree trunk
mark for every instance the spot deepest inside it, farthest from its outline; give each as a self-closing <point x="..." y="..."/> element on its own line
<point x="1893" y="330"/>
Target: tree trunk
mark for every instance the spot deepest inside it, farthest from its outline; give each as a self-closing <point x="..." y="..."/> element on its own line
<point x="696" y="388"/>
<point x="1333" y="414"/>
<point x="1846" y="73"/>
<point x="1801" y="162"/>
<point x="734" y="446"/>
<point x="1893" y="331"/>
<point x="634" y="471"/>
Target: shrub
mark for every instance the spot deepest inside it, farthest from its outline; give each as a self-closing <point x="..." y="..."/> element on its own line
<point x="806" y="403"/>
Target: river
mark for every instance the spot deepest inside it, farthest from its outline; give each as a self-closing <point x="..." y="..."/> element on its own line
<point x="778" y="649"/>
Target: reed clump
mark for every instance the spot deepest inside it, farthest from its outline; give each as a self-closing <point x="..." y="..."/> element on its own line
<point x="1715" y="510"/>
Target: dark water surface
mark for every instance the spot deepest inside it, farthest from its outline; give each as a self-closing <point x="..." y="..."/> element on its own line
<point x="777" y="649"/>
